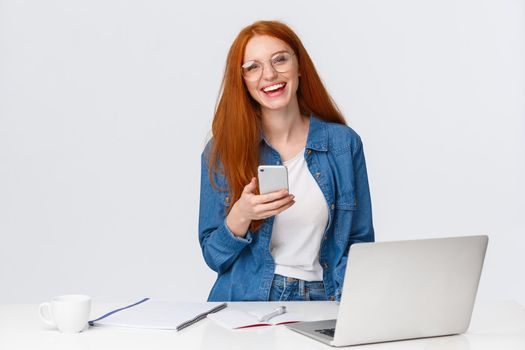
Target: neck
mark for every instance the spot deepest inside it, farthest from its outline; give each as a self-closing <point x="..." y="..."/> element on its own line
<point x="284" y="125"/>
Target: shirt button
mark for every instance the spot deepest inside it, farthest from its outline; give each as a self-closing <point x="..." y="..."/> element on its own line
<point x="332" y="298"/>
<point x="333" y="206"/>
<point x="227" y="200"/>
<point x="317" y="174"/>
<point x="309" y="151"/>
<point x="325" y="237"/>
<point x="325" y="265"/>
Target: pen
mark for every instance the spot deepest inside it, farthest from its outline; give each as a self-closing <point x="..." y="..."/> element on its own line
<point x="279" y="311"/>
<point x="201" y="316"/>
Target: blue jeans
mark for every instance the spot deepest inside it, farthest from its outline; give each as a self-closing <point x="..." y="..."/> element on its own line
<point x="292" y="289"/>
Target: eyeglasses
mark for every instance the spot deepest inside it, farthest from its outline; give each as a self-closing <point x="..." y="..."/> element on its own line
<point x="281" y="61"/>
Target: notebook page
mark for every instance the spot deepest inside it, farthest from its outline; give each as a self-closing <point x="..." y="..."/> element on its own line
<point x="156" y="315"/>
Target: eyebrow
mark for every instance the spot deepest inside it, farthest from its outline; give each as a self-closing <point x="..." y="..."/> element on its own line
<point x="273" y="54"/>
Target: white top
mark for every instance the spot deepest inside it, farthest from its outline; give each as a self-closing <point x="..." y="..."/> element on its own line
<point x="298" y="231"/>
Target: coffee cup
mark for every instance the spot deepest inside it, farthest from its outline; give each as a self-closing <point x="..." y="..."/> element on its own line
<point x="68" y="313"/>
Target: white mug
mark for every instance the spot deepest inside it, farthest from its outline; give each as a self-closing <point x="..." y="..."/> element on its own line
<point x="69" y="313"/>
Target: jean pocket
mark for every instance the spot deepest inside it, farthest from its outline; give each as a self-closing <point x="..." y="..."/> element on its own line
<point x="278" y="281"/>
<point x="276" y="293"/>
<point x="277" y="288"/>
<point x="316" y="293"/>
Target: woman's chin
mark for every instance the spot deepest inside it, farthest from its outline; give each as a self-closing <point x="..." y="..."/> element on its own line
<point x="275" y="104"/>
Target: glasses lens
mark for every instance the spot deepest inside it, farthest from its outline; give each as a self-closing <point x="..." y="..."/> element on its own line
<point x="251" y="70"/>
<point x="282" y="62"/>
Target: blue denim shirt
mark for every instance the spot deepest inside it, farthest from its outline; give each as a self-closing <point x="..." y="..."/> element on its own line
<point x="245" y="267"/>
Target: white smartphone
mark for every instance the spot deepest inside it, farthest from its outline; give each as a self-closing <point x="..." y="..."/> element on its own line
<point x="272" y="178"/>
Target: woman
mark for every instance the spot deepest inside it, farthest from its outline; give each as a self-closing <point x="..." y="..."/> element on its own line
<point x="273" y="109"/>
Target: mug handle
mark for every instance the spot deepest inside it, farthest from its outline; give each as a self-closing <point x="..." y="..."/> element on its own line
<point x="48" y="321"/>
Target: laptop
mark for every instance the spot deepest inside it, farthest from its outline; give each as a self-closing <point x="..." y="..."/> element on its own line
<point x="404" y="290"/>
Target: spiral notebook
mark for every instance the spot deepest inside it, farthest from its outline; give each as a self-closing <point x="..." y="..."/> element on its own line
<point x="151" y="314"/>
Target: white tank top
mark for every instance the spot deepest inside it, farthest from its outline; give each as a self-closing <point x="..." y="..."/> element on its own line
<point x="297" y="232"/>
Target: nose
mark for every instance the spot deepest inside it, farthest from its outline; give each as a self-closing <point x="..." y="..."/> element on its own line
<point x="269" y="73"/>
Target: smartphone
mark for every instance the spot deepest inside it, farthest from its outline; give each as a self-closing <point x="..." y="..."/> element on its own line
<point x="272" y="178"/>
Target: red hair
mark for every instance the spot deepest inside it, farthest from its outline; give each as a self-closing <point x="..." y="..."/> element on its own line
<point x="235" y="127"/>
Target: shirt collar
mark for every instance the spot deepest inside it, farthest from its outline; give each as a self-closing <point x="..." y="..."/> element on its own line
<point x="317" y="135"/>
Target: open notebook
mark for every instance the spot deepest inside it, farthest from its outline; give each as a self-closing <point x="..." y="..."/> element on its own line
<point x="151" y="314"/>
<point x="236" y="319"/>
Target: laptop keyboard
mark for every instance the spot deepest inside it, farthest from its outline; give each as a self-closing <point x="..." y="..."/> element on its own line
<point x="328" y="331"/>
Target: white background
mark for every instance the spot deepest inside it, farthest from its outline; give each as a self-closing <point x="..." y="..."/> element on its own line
<point x="105" y="107"/>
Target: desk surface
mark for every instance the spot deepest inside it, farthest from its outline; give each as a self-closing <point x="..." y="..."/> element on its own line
<point x="494" y="325"/>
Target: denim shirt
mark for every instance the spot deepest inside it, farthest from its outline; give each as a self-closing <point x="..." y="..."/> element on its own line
<point x="245" y="266"/>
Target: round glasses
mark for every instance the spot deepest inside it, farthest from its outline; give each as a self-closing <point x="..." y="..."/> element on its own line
<point x="281" y="62"/>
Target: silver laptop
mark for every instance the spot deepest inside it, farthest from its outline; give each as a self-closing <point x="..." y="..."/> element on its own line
<point x="404" y="290"/>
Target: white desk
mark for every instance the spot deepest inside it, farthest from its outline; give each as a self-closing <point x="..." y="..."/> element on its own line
<point x="494" y="326"/>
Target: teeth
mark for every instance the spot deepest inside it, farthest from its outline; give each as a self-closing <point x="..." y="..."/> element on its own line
<point x="273" y="87"/>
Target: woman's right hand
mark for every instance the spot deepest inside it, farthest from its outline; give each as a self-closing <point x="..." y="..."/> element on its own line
<point x="251" y="206"/>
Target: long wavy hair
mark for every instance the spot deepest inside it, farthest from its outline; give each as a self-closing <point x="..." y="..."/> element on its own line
<point x="236" y="125"/>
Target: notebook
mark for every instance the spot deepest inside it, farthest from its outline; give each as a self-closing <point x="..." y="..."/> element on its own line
<point x="152" y="314"/>
<point x="237" y="319"/>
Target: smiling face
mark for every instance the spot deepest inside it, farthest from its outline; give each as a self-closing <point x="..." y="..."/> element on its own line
<point x="272" y="90"/>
